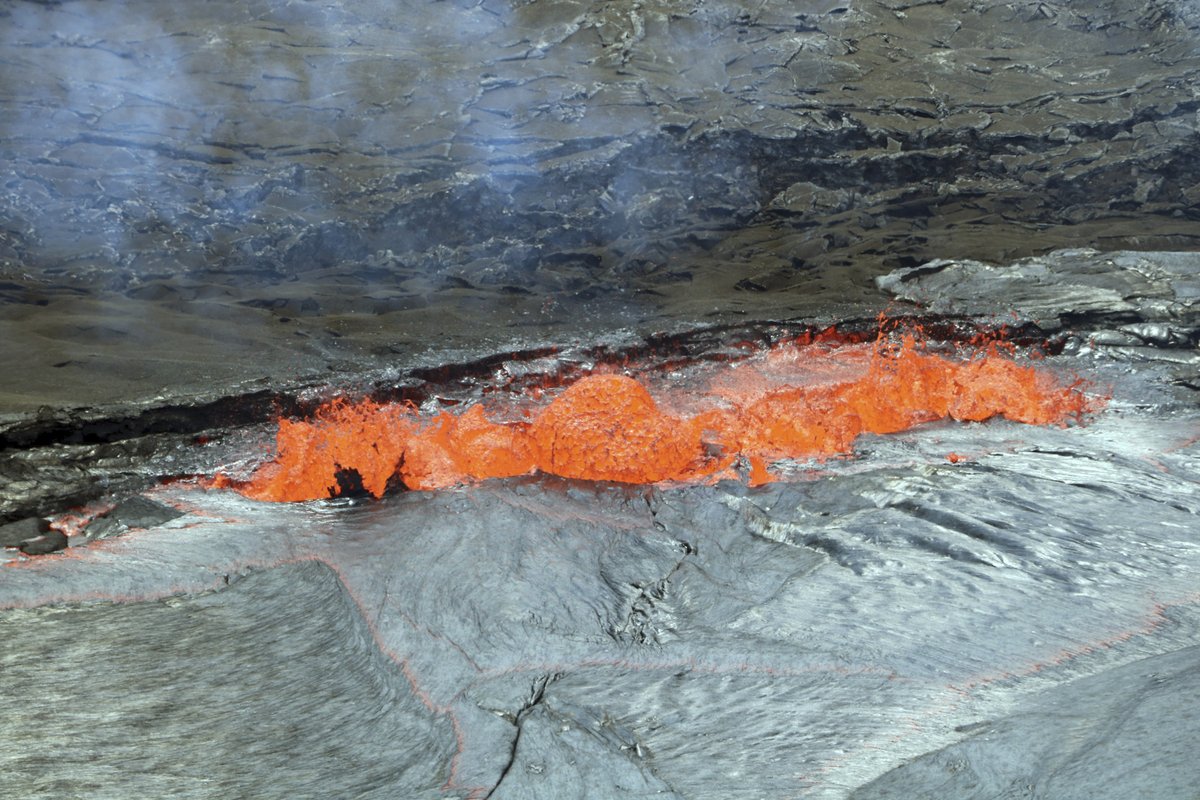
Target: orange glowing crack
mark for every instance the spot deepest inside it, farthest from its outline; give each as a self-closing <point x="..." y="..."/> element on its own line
<point x="800" y="401"/>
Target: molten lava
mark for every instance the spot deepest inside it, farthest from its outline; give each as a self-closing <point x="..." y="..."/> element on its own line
<point x="799" y="400"/>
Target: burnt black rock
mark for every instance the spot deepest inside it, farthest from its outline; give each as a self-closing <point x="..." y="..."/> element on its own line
<point x="15" y="533"/>
<point x="132" y="512"/>
<point x="49" y="542"/>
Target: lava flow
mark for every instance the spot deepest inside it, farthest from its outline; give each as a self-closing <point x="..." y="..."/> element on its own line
<point x="799" y="399"/>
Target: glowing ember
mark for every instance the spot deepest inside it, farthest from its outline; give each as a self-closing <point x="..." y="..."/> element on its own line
<point x="800" y="400"/>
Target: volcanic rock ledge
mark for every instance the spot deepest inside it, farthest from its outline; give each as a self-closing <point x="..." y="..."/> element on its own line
<point x="1141" y="306"/>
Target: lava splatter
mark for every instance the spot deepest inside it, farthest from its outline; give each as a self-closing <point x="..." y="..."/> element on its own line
<point x="802" y="399"/>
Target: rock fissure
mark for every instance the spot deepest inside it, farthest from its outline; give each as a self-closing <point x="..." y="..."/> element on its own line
<point x="645" y="622"/>
<point x="537" y="693"/>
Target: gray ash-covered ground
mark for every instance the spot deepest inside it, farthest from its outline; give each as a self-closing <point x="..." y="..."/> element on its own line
<point x="219" y="213"/>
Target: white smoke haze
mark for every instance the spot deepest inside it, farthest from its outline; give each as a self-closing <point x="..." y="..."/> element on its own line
<point x="219" y="136"/>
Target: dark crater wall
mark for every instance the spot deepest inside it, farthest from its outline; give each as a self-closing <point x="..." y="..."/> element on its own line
<point x="272" y="187"/>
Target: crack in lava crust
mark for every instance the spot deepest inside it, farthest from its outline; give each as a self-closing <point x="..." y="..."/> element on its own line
<point x="799" y="399"/>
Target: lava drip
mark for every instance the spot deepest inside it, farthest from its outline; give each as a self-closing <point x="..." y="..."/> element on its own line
<point x="800" y="400"/>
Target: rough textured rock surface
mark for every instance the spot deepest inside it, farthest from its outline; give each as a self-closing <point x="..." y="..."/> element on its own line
<point x="267" y="190"/>
<point x="217" y="213"/>
<point x="130" y="513"/>
<point x="1028" y="614"/>
<point x="1154" y="298"/>
<point x="1059" y="728"/>
<point x="49" y="542"/>
<point x="14" y="533"/>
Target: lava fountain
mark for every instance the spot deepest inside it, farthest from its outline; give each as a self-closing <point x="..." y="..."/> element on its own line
<point x="803" y="398"/>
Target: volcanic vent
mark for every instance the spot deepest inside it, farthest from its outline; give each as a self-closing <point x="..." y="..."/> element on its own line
<point x="750" y="410"/>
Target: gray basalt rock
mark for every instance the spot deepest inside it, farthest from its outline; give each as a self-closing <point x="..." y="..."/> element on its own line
<point x="1026" y="615"/>
<point x="15" y="533"/>
<point x="50" y="541"/>
<point x="1136" y="702"/>
<point x="132" y="512"/>
<point x="1153" y="297"/>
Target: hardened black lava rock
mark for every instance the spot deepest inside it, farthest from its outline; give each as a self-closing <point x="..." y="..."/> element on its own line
<point x="49" y="542"/>
<point x="14" y="533"/>
<point x="132" y="512"/>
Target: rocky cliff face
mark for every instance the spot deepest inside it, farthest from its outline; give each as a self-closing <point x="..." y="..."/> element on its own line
<point x="320" y="183"/>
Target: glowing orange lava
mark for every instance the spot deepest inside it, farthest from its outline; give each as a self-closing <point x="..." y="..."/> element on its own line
<point x="805" y="399"/>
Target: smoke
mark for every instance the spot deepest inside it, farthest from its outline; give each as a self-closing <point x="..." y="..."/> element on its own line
<point x="269" y="140"/>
